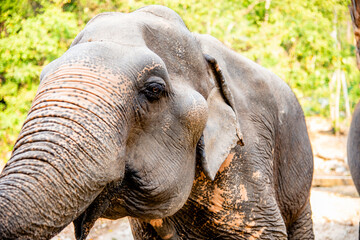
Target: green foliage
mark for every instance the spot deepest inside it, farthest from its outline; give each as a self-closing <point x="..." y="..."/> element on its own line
<point x="32" y="36"/>
<point x="295" y="39"/>
<point x="13" y="110"/>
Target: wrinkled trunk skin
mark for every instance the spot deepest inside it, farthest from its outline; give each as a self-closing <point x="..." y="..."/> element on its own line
<point x="64" y="157"/>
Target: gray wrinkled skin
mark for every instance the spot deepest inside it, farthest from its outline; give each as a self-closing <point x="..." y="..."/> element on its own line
<point x="142" y="118"/>
<point x="353" y="147"/>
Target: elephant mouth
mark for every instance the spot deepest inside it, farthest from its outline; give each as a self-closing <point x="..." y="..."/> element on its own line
<point x="200" y="149"/>
<point x="200" y="153"/>
<point x="97" y="209"/>
<point x="103" y="206"/>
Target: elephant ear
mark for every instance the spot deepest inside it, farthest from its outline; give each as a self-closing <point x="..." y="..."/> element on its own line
<point x="222" y="131"/>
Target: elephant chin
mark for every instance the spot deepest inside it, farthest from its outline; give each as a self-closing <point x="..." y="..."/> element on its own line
<point x="98" y="208"/>
<point x="84" y="222"/>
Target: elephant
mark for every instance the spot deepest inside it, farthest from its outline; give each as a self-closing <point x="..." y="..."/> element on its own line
<point x="353" y="147"/>
<point x="142" y="118"/>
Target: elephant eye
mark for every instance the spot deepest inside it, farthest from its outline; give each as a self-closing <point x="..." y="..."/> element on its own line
<point x="154" y="91"/>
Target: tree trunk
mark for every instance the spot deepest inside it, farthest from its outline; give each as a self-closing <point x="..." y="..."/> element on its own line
<point x="354" y="9"/>
<point x="267" y="7"/>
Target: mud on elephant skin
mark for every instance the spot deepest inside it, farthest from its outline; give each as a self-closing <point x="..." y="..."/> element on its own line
<point x="142" y="118"/>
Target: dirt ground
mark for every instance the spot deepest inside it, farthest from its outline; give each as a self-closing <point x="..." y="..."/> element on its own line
<point x="336" y="209"/>
<point x="336" y="212"/>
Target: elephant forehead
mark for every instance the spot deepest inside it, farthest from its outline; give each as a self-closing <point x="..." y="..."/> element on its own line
<point x="126" y="29"/>
<point x="157" y="30"/>
<point x="116" y="28"/>
<point x="110" y="62"/>
<point x="168" y="38"/>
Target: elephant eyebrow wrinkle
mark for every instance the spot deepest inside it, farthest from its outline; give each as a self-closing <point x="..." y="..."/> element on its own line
<point x="147" y="69"/>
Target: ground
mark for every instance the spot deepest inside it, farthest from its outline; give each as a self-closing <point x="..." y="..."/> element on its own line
<point x="336" y="207"/>
<point x="336" y="212"/>
<point x="335" y="202"/>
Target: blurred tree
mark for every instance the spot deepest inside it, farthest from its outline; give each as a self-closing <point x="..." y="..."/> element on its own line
<point x="355" y="17"/>
<point x="33" y="33"/>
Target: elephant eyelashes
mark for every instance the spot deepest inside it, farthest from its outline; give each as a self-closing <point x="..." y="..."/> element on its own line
<point x="154" y="91"/>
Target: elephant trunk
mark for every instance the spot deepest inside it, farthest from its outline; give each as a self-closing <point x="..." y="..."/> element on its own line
<point x="69" y="149"/>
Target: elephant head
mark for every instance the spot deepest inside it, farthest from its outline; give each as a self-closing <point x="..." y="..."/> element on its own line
<point x="116" y="127"/>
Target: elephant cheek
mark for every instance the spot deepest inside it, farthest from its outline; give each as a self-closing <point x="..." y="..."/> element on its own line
<point x="193" y="114"/>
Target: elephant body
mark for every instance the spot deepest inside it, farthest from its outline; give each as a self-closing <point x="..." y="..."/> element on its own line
<point x="353" y="147"/>
<point x="142" y="118"/>
<point x="262" y="188"/>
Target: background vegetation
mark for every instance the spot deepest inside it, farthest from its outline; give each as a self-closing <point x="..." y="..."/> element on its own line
<point x="302" y="41"/>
